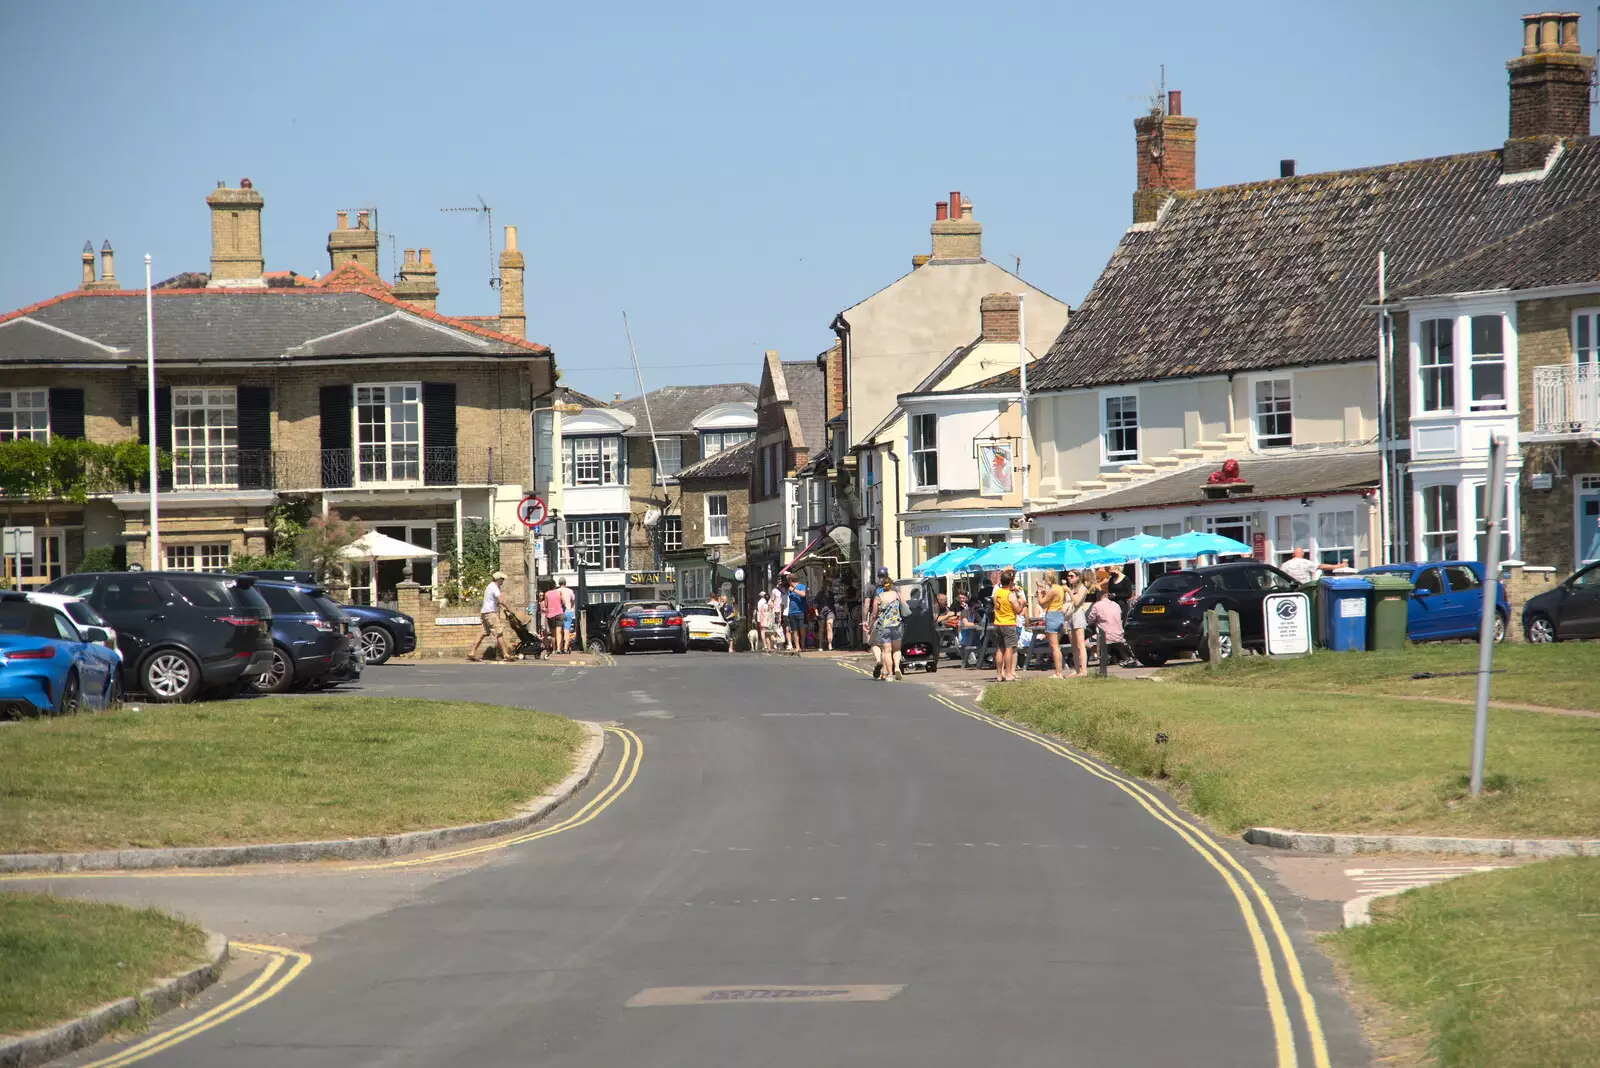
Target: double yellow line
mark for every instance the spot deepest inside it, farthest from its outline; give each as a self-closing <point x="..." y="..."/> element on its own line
<point x="1237" y="878"/>
<point x="283" y="965"/>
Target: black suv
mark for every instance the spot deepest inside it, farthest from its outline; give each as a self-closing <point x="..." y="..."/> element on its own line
<point x="1165" y="619"/>
<point x="380" y="632"/>
<point x="311" y="640"/>
<point x="181" y="632"/>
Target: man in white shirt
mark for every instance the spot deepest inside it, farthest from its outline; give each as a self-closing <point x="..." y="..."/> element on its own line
<point x="1302" y="568"/>
<point x="493" y="626"/>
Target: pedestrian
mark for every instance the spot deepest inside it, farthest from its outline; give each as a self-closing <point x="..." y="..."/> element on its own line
<point x="763" y="625"/>
<point x="887" y="625"/>
<point x="778" y="599"/>
<point x="1303" y="569"/>
<point x="1079" y="594"/>
<point x="1106" y="615"/>
<point x="825" y="611"/>
<point x="1052" y="598"/>
<point x="1119" y="581"/>
<point x="569" y="617"/>
<point x="795" y="617"/>
<point x="555" y="615"/>
<point x="493" y="626"/>
<point x="1009" y="604"/>
<point x="730" y="618"/>
<point x="869" y="611"/>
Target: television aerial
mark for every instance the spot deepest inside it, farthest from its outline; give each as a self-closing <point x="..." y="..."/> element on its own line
<point x="488" y="216"/>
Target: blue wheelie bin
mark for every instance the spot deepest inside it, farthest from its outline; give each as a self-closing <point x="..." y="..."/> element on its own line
<point x="1344" y="613"/>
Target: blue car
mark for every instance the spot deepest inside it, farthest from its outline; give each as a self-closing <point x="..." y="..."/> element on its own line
<point x="1447" y="599"/>
<point x="49" y="666"/>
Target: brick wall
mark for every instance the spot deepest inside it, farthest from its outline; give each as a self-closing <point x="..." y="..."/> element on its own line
<point x="833" y="378"/>
<point x="1172" y="169"/>
<point x="1547" y="515"/>
<point x="1544" y="338"/>
<point x="694" y="509"/>
<point x="1521" y="586"/>
<point x="1550" y="95"/>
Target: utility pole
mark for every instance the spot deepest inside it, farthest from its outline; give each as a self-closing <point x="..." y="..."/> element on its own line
<point x="1494" y="493"/>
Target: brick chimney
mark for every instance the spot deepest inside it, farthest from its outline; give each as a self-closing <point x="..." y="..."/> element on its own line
<point x="513" y="315"/>
<point x="108" y="272"/>
<point x="1164" y="143"/>
<point x="998" y="312"/>
<point x="88" y="266"/>
<point x="419" y="281"/>
<point x="359" y="243"/>
<point x="236" y="235"/>
<point x="1549" y="90"/>
<point x="956" y="234"/>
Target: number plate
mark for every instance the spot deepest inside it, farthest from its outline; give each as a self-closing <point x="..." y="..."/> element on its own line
<point x="650" y="621"/>
<point x="1153" y="609"/>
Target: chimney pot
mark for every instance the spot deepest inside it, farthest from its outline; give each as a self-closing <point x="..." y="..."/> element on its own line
<point x="616" y="398"/>
<point x="1174" y="102"/>
<point x="88" y="265"/>
<point x="425" y="256"/>
<point x="966" y="208"/>
<point x="409" y="257"/>
<point x="361" y="220"/>
<point x="88" y="248"/>
<point x="108" y="273"/>
<point x="511" y="239"/>
<point x="244" y="183"/>
<point x="955" y="204"/>
<point x="1286" y="168"/>
<point x="941" y="210"/>
<point x="341" y="220"/>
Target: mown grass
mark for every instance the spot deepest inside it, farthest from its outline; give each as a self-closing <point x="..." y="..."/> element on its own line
<point x="1563" y="675"/>
<point x="1241" y="757"/>
<point x="272" y="769"/>
<point x="1497" y="970"/>
<point x="60" y="958"/>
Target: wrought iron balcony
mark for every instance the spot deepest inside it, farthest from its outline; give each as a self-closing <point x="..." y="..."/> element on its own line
<point x="1566" y="401"/>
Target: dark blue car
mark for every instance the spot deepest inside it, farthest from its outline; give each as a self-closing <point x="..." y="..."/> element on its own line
<point x="311" y="638"/>
<point x="380" y="632"/>
<point x="1447" y="599"/>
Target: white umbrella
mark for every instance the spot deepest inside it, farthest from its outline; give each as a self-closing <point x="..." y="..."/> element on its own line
<point x="375" y="546"/>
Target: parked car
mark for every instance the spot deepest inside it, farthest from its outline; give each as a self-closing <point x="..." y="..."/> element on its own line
<point x="647" y="625"/>
<point x="182" y="633"/>
<point x="311" y="639"/>
<point x="380" y="632"/>
<point x="82" y="613"/>
<point x="706" y="625"/>
<point x="1164" y="620"/>
<point x="596" y="618"/>
<point x="1447" y="599"/>
<point x="49" y="666"/>
<point x="1570" y="610"/>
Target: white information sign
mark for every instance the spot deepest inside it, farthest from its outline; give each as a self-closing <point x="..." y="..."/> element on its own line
<point x="459" y="621"/>
<point x="1352" y="608"/>
<point x="1287" y="623"/>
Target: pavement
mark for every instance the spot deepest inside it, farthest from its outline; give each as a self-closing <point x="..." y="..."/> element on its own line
<point x="779" y="862"/>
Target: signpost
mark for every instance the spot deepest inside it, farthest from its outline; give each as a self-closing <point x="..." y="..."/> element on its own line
<point x="531" y="512"/>
<point x="1287" y="623"/>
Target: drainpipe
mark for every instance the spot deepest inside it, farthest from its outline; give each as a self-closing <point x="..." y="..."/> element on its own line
<point x="896" y="502"/>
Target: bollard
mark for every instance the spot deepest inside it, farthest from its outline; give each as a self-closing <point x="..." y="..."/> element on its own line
<point x="1100" y="642"/>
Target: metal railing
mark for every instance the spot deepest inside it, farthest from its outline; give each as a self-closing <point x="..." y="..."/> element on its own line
<point x="1566" y="399"/>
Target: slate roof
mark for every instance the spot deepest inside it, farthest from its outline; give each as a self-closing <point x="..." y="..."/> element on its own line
<point x="1275" y="273"/>
<point x="1299" y="474"/>
<point x="230" y="325"/>
<point x="674" y="408"/>
<point x="808" y="394"/>
<point x="1560" y="249"/>
<point x="729" y="463"/>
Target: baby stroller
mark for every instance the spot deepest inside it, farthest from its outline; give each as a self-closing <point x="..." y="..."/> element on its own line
<point x="529" y="641"/>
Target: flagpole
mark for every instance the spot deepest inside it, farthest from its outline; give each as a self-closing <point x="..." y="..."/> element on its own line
<point x="153" y="560"/>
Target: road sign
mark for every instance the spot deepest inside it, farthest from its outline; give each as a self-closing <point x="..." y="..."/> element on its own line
<point x="1287" y="619"/>
<point x="531" y="511"/>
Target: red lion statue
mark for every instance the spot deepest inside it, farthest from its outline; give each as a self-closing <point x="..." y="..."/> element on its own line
<point x="1229" y="473"/>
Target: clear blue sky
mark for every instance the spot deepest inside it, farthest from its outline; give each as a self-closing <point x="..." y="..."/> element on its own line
<point x="731" y="175"/>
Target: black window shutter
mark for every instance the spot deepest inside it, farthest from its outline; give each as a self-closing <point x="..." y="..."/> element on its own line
<point x="338" y="468"/>
<point x="255" y="437"/>
<point x="163" y="441"/>
<point x="439" y="433"/>
<point x="66" y="413"/>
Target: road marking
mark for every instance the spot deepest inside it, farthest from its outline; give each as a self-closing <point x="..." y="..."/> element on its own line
<point x="266" y="985"/>
<point x="656" y="996"/>
<point x="804" y="714"/>
<point x="1217" y="857"/>
<point x="852" y="667"/>
<point x="627" y="771"/>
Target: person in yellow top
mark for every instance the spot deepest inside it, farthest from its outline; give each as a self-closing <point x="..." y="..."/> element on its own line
<point x="1008" y="604"/>
<point x="1052" y="597"/>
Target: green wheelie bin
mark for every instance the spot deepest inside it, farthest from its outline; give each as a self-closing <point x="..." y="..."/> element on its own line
<point x="1391" y="600"/>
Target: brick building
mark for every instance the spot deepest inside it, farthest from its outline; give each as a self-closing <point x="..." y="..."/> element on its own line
<point x="714" y="502"/>
<point x="274" y="387"/>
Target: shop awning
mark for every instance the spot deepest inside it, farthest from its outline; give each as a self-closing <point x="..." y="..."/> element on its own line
<point x="823" y="548"/>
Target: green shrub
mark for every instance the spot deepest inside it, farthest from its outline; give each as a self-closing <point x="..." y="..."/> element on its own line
<point x="104" y="558"/>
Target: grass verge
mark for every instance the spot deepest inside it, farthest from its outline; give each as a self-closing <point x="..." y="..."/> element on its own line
<point x="1497" y="970"/>
<point x="61" y="958"/>
<point x="272" y="769"/>
<point x="1559" y="676"/>
<point x="1243" y="758"/>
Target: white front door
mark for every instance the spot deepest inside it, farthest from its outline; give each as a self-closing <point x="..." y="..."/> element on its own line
<point x="1586" y="518"/>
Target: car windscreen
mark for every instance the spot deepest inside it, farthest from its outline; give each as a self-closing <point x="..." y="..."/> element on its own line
<point x="83" y="614"/>
<point x="325" y="606"/>
<point x="649" y="608"/>
<point x="281" y="600"/>
<point x="27" y="620"/>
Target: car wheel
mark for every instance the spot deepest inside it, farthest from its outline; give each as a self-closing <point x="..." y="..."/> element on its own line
<point x="1499" y="628"/>
<point x="933" y="665"/>
<point x="170" y="675"/>
<point x="71" y="696"/>
<point x="1541" y="630"/>
<point x="1150" y="657"/>
<point x="684" y="648"/>
<point x="114" y="690"/>
<point x="276" y="679"/>
<point x="377" y="645"/>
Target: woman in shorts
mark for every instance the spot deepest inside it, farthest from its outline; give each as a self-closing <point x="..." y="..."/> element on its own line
<point x="1079" y="595"/>
<point x="887" y="628"/>
<point x="1052" y="599"/>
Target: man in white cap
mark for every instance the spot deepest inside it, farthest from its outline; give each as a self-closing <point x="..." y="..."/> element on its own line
<point x="493" y="626"/>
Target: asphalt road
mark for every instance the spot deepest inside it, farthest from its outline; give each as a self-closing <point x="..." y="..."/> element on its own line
<point x="865" y="876"/>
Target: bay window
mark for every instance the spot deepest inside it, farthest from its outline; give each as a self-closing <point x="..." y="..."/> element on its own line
<point x="716" y="517"/>
<point x="1488" y="363"/>
<point x="1436" y="367"/>
<point x="24" y="413"/>
<point x="595" y="543"/>
<point x="1120" y="428"/>
<point x="1585" y="340"/>
<point x="925" y="451"/>
<point x="1480" y="503"/>
<point x="591" y="461"/>
<point x="1440" y="523"/>
<point x="205" y="437"/>
<point x="388" y="432"/>
<point x="1274" y="413"/>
